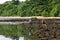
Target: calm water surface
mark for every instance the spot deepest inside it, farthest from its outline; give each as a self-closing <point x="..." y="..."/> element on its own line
<point x="7" y="38"/>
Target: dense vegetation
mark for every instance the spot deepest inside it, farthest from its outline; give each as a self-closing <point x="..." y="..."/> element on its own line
<point x="30" y="8"/>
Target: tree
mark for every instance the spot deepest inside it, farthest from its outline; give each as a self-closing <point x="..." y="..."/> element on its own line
<point x="15" y="1"/>
<point x="54" y="11"/>
<point x="28" y="8"/>
<point x="46" y="14"/>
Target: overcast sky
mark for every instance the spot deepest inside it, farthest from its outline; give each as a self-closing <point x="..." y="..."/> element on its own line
<point x="2" y="1"/>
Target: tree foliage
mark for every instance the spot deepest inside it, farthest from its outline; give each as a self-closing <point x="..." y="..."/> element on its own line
<point x="29" y="8"/>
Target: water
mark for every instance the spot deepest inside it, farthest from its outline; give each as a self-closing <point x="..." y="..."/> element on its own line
<point x="7" y="38"/>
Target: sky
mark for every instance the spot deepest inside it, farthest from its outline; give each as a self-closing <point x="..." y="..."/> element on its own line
<point x="2" y="1"/>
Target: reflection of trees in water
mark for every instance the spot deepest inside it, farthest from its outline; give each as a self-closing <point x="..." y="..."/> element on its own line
<point x="33" y="31"/>
<point x="2" y="37"/>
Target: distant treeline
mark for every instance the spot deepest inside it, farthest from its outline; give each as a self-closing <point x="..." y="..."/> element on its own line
<point x="30" y="8"/>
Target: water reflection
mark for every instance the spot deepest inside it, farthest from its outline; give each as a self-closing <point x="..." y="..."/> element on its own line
<point x="4" y="38"/>
<point x="21" y="38"/>
<point x="7" y="38"/>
